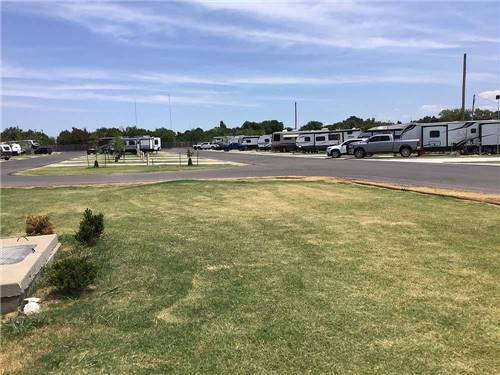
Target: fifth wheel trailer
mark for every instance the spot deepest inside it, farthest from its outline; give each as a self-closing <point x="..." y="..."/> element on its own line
<point x="443" y="136"/>
<point x="489" y="137"/>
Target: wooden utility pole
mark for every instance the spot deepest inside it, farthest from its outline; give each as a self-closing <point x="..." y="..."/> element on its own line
<point x="463" y="86"/>
<point x="295" y="115"/>
<point x="473" y="105"/>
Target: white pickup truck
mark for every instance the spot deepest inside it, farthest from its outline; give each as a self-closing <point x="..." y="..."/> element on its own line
<point x="383" y="143"/>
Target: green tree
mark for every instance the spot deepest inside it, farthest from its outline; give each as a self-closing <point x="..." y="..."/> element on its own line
<point x="74" y="137"/>
<point x="313" y="125"/>
<point x="165" y="134"/>
<point x="119" y="145"/>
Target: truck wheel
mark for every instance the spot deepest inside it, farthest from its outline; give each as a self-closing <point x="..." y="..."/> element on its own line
<point x="405" y="152"/>
<point x="359" y="153"/>
<point x="336" y="154"/>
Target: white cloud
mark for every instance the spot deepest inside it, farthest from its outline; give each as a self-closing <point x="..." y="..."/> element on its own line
<point x="432" y="109"/>
<point x="120" y="80"/>
<point x="489" y="95"/>
<point x="349" y="25"/>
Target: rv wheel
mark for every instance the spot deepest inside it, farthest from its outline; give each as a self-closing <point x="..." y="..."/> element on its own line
<point x="405" y="152"/>
<point x="336" y="154"/>
<point x="359" y="153"/>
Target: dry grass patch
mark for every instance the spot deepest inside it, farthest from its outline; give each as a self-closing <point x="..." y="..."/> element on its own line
<point x="269" y="277"/>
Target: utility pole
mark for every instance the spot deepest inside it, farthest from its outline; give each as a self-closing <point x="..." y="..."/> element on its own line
<point x="295" y="115"/>
<point x="498" y="106"/>
<point x="135" y="111"/>
<point x="473" y="105"/>
<point x="170" y="111"/>
<point x="463" y="85"/>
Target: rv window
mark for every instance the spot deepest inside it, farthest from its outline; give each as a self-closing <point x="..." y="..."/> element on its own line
<point x="307" y="139"/>
<point x="320" y="139"/>
<point x="276" y="137"/>
<point x="434" y="134"/>
<point x="156" y="141"/>
<point x="334" y="137"/>
<point x="349" y="132"/>
<point x="249" y="141"/>
<point x="473" y="131"/>
<point x="266" y="140"/>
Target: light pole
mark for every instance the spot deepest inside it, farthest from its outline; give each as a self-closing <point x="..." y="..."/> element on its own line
<point x="170" y="111"/>
<point x="498" y="106"/>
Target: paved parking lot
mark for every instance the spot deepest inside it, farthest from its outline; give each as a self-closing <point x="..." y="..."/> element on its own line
<point x="478" y="178"/>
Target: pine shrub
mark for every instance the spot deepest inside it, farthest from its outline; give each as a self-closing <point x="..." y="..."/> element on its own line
<point x="37" y="225"/>
<point x="91" y="228"/>
<point x="71" y="275"/>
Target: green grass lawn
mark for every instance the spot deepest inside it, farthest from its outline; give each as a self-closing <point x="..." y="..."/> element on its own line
<point x="267" y="276"/>
<point x="77" y="171"/>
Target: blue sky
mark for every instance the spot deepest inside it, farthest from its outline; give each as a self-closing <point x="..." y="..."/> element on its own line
<point x="77" y="63"/>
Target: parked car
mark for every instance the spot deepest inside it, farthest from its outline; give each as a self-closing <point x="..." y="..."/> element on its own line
<point x="232" y="146"/>
<point x="16" y="148"/>
<point x="207" y="146"/>
<point x="338" y="150"/>
<point x="197" y="146"/>
<point x="6" y="151"/>
<point x="383" y="143"/>
<point x="43" y="150"/>
<point x="91" y="151"/>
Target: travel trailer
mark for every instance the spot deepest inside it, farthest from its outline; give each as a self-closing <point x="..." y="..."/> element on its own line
<point x="285" y="141"/>
<point x="132" y="144"/>
<point x="5" y="151"/>
<point x="264" y="142"/>
<point x="16" y="148"/>
<point x="29" y="145"/>
<point x="320" y="140"/>
<point x="488" y="137"/>
<point x="442" y="136"/>
<point x="249" y="142"/>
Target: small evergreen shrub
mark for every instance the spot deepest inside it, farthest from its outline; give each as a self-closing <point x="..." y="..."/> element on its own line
<point x="72" y="275"/>
<point x="91" y="228"/>
<point x="37" y="225"/>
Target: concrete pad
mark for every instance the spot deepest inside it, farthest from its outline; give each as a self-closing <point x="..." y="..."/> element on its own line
<point x="21" y="260"/>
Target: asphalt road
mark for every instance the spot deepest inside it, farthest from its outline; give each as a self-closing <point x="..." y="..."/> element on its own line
<point x="484" y="178"/>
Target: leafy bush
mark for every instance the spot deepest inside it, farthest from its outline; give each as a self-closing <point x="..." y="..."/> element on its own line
<point x="38" y="225"/>
<point x="91" y="228"/>
<point x="72" y="275"/>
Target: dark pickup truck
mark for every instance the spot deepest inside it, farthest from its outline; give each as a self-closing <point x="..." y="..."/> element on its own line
<point x="383" y="143"/>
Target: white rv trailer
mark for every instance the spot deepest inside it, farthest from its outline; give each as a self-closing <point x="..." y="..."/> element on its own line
<point x="320" y="140"/>
<point x="488" y="139"/>
<point x="156" y="143"/>
<point x="264" y="142"/>
<point x="144" y="144"/>
<point x="284" y="141"/>
<point x="29" y="145"/>
<point x="249" y="142"/>
<point x="442" y="136"/>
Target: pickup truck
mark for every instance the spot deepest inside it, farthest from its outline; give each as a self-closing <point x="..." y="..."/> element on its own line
<point x="383" y="143"/>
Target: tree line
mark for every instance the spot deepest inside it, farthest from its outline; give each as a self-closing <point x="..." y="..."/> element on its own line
<point x="83" y="136"/>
